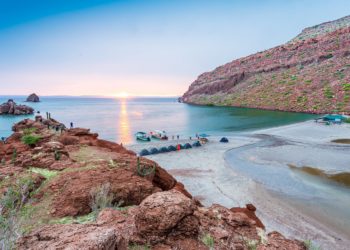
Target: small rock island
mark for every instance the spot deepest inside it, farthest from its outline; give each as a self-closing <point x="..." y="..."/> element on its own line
<point x="11" y="108"/>
<point x="33" y="98"/>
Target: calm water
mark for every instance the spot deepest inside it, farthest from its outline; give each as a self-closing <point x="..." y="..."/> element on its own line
<point x="267" y="162"/>
<point x="120" y="119"/>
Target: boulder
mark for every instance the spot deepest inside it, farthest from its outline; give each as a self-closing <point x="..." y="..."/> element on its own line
<point x="33" y="98"/>
<point x="72" y="191"/>
<point x="162" y="212"/>
<point x="11" y="108"/>
<point x="73" y="236"/>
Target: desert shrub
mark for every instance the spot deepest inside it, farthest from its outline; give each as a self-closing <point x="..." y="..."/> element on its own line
<point x="28" y="131"/>
<point x="310" y="246"/>
<point x="138" y="247"/>
<point x="328" y="92"/>
<point x="346" y="86"/>
<point x="100" y="197"/>
<point x="11" y="204"/>
<point x="144" y="170"/>
<point x="112" y="163"/>
<point x="14" y="155"/>
<point x="309" y="81"/>
<point x="48" y="174"/>
<point x="91" y="217"/>
<point x="252" y="244"/>
<point x="208" y="240"/>
<point x="30" y="140"/>
<point x="57" y="155"/>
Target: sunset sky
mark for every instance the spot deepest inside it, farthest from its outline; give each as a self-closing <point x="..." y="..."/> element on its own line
<point x="91" y="47"/>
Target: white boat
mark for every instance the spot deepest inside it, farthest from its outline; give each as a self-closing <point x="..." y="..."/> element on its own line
<point x="158" y="134"/>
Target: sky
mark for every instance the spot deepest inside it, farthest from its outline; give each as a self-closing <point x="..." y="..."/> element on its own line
<point x="139" y="48"/>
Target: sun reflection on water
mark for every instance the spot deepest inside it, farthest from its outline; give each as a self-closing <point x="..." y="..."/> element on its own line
<point x="124" y="125"/>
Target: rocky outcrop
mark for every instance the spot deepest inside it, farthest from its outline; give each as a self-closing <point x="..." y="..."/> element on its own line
<point x="33" y="98"/>
<point x="70" y="173"/>
<point x="11" y="108"/>
<point x="311" y="73"/>
<point x="70" y="237"/>
<point x="164" y="220"/>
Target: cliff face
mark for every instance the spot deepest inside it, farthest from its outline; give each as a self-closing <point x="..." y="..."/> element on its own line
<point x="310" y="73"/>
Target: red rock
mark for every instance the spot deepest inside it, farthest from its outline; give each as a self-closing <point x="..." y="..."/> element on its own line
<point x="71" y="237"/>
<point x="250" y="212"/>
<point x="71" y="192"/>
<point x="161" y="212"/>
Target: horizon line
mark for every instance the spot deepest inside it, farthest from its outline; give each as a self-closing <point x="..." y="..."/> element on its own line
<point x="98" y="96"/>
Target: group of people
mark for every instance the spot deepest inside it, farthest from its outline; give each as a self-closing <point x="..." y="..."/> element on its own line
<point x="178" y="137"/>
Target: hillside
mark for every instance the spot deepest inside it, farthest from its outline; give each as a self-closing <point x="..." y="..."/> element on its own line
<point x="310" y="73"/>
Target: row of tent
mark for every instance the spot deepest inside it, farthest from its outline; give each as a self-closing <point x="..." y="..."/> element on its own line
<point x="170" y="148"/>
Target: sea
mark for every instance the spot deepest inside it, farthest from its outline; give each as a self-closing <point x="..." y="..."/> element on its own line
<point x="118" y="119"/>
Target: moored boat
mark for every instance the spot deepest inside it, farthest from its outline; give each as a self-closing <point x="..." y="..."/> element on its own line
<point x="160" y="135"/>
<point x="142" y="136"/>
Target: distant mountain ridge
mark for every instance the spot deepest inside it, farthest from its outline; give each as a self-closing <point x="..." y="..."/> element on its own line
<point x="310" y="73"/>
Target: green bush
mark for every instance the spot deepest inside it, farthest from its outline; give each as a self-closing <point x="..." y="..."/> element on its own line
<point x="328" y="92"/>
<point x="208" y="240"/>
<point x="310" y="246"/>
<point x="346" y="86"/>
<point x="11" y="204"/>
<point x="48" y="174"/>
<point x="347" y="120"/>
<point x="138" y="247"/>
<point x="30" y="140"/>
<point x="89" y="218"/>
<point x="28" y="131"/>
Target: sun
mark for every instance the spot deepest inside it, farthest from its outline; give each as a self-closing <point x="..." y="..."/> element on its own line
<point x="122" y="95"/>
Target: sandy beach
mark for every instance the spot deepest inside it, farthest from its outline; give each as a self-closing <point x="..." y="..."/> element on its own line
<point x="206" y="174"/>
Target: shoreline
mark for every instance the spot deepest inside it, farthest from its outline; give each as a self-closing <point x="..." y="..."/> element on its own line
<point x="204" y="171"/>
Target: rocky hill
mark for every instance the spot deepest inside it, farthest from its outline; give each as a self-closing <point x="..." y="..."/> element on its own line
<point x="310" y="73"/>
<point x="68" y="189"/>
<point x="11" y="108"/>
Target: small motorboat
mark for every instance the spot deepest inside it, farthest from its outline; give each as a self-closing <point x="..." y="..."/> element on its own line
<point x="160" y="135"/>
<point x="142" y="136"/>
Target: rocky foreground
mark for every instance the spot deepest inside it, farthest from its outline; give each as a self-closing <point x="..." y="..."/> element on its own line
<point x="68" y="189"/>
<point x="311" y="73"/>
<point x="12" y="108"/>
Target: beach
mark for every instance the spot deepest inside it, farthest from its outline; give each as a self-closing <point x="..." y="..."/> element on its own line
<point x="208" y="173"/>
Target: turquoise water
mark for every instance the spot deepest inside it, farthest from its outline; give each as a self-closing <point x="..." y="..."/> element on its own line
<point x="119" y="119"/>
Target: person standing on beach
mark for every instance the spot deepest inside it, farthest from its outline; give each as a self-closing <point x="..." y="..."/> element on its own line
<point x="71" y="124"/>
<point x="178" y="137"/>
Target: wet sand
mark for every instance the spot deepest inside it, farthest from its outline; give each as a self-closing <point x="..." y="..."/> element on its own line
<point x="207" y="176"/>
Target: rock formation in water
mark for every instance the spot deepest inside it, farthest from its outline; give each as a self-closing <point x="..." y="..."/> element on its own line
<point x="33" y="98"/>
<point x="310" y="73"/>
<point x="11" y="108"/>
<point x="80" y="192"/>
